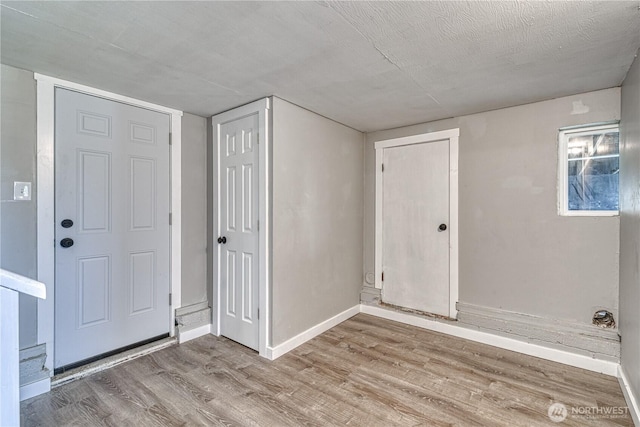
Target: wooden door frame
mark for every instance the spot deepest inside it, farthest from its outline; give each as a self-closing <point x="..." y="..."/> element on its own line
<point x="45" y="201"/>
<point x="452" y="135"/>
<point x="262" y="107"/>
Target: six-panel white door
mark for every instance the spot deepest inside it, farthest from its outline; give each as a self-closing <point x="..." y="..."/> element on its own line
<point x="238" y="229"/>
<point x="415" y="248"/>
<point x="112" y="200"/>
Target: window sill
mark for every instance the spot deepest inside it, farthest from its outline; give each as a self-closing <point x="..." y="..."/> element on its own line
<point x="590" y="213"/>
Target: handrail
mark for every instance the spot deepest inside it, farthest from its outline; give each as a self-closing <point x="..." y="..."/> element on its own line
<point x="22" y="284"/>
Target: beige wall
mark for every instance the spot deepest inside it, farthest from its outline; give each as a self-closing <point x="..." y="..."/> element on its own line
<point x="630" y="227"/>
<point x="194" y="209"/>
<point x="18" y="163"/>
<point x="317" y="219"/>
<point x="516" y="253"/>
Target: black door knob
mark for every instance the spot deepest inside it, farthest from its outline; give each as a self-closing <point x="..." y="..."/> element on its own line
<point x="222" y="240"/>
<point x="442" y="227"/>
<point x="66" y="223"/>
<point x="66" y="242"/>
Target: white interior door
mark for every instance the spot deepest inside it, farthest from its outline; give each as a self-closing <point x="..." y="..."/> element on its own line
<point x="238" y="267"/>
<point x="112" y="226"/>
<point x="415" y="226"/>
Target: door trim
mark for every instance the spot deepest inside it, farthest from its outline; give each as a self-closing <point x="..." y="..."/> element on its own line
<point x="262" y="107"/>
<point x="45" y="200"/>
<point x="452" y="135"/>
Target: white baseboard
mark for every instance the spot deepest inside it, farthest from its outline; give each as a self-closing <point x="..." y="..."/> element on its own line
<point x="573" y="337"/>
<point x="188" y="335"/>
<point x="632" y="400"/>
<point x="555" y="355"/>
<point x="560" y="356"/>
<point x="193" y="308"/>
<point x="28" y="391"/>
<point x="277" y="351"/>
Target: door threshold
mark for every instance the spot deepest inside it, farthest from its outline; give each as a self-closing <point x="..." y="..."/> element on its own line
<point x="101" y="356"/>
<point x="416" y="312"/>
<point x="110" y="361"/>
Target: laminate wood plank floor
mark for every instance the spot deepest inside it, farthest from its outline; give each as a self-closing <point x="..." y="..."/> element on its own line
<point x="366" y="371"/>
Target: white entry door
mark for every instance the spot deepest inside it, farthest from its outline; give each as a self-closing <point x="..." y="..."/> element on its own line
<point x="237" y="226"/>
<point x="415" y="227"/>
<point x="112" y="226"/>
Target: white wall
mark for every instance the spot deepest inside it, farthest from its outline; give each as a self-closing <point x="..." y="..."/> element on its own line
<point x="317" y="219"/>
<point x="516" y="253"/>
<point x="630" y="227"/>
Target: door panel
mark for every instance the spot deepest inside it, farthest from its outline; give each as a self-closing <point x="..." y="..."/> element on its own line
<point x="94" y="286"/>
<point x="112" y="181"/>
<point x="248" y="287"/>
<point x="238" y="219"/>
<point x="94" y="191"/>
<point x="247" y="198"/>
<point x="141" y="281"/>
<point x="142" y="193"/>
<point x="415" y="202"/>
<point x="230" y="286"/>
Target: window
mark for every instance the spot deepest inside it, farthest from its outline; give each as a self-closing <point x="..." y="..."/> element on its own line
<point x="588" y="170"/>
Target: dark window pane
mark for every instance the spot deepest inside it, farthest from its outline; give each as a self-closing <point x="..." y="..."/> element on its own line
<point x="593" y="183"/>
<point x="593" y="166"/>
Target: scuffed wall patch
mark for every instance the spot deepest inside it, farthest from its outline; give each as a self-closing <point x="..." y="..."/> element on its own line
<point x="579" y="108"/>
<point x="521" y="183"/>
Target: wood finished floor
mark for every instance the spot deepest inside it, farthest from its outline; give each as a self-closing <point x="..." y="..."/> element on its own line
<point x="365" y="372"/>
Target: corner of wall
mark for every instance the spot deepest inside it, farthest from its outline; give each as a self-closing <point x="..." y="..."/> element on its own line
<point x="629" y="260"/>
<point x="194" y="210"/>
<point x="213" y="303"/>
<point x="316" y="221"/>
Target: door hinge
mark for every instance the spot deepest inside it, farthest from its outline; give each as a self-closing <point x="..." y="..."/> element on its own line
<point x="258" y="314"/>
<point x="258" y="225"/>
<point x="170" y="138"/>
<point x="383" y="167"/>
<point x="170" y="218"/>
<point x="383" y="276"/>
<point x="170" y="299"/>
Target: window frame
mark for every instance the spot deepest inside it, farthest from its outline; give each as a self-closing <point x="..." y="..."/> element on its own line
<point x="563" y="167"/>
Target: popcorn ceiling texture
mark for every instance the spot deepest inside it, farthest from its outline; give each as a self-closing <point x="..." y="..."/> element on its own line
<point x="369" y="65"/>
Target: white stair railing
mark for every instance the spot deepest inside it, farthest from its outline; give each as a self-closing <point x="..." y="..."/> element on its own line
<point x="11" y="285"/>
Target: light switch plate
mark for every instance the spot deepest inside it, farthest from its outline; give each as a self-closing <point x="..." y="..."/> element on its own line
<point x="21" y="190"/>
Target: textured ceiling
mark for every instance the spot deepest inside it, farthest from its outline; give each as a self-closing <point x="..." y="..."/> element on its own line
<point x="370" y="65"/>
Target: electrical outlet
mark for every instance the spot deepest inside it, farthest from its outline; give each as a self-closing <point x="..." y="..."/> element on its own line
<point x="21" y="190"/>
